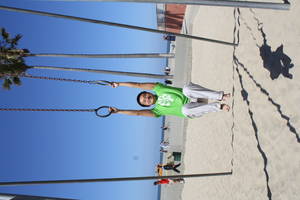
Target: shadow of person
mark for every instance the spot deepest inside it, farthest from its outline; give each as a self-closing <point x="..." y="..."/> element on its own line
<point x="285" y="61"/>
<point x="276" y="62"/>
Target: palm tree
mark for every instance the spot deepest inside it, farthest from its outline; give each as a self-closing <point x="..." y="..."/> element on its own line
<point x="111" y="24"/>
<point x="9" y="73"/>
<point x="8" y="44"/>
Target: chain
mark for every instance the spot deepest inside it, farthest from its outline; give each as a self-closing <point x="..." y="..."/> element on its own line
<point x="97" y="110"/>
<point x="65" y="79"/>
<point x="39" y="109"/>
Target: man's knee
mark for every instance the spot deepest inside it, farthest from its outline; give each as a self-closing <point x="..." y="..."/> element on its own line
<point x="184" y="110"/>
<point x="186" y="89"/>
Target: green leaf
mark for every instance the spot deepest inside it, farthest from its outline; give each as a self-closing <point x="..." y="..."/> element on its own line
<point x="15" y="40"/>
<point x="13" y="68"/>
<point x="4" y="34"/>
<point x="18" y="37"/>
<point x="17" y="81"/>
<point x="6" y="84"/>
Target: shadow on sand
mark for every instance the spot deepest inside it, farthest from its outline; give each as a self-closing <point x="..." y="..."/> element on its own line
<point x="282" y="58"/>
<point x="277" y="62"/>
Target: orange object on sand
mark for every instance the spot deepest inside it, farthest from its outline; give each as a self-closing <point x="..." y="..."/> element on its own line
<point x="159" y="171"/>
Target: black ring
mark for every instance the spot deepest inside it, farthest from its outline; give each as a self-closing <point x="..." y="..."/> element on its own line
<point x="96" y="111"/>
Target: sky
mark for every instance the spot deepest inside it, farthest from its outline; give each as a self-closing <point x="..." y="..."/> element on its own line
<point x="49" y="146"/>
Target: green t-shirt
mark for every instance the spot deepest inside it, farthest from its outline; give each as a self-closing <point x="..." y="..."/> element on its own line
<point x="169" y="100"/>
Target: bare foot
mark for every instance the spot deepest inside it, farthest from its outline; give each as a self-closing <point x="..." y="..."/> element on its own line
<point x="225" y="107"/>
<point x="226" y="96"/>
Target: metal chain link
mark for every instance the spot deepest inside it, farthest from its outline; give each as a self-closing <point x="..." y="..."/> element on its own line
<point x="42" y="109"/>
<point x="97" y="110"/>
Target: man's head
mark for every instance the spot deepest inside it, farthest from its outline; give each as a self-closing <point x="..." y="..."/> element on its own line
<point x="146" y="99"/>
<point x="156" y="183"/>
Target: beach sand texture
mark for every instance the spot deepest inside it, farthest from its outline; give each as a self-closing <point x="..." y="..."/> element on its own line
<point x="259" y="138"/>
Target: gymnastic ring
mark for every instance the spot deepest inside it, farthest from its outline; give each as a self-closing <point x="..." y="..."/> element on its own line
<point x="103" y="107"/>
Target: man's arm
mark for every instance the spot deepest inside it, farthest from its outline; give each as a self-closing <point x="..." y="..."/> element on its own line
<point x="146" y="113"/>
<point x="144" y="86"/>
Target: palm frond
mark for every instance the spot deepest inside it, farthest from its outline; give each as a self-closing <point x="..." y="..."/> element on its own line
<point x="17" y="80"/>
<point x="5" y="35"/>
<point x="12" y="56"/>
<point x="7" y="84"/>
<point x="14" y="41"/>
<point x="13" y="69"/>
<point x="7" y="41"/>
<point x="26" y="51"/>
<point x="12" y="64"/>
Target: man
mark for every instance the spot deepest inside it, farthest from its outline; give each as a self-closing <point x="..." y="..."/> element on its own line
<point x="170" y="166"/>
<point x="167" y="100"/>
<point x="168" y="181"/>
<point x="169" y="37"/>
<point x="164" y="144"/>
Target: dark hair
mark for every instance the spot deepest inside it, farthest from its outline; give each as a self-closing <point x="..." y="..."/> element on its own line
<point x="168" y="82"/>
<point x="155" y="183"/>
<point x="138" y="99"/>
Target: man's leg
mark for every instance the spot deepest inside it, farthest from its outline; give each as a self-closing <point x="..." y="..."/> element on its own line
<point x="175" y="166"/>
<point x="176" y="170"/>
<point x="195" y="91"/>
<point x="178" y="180"/>
<point x="195" y="109"/>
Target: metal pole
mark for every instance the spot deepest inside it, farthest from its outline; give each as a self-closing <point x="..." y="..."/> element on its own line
<point x="15" y="183"/>
<point x="7" y="196"/>
<point x="134" y="74"/>
<point x="225" y="3"/>
<point x="134" y="55"/>
<point x="112" y="24"/>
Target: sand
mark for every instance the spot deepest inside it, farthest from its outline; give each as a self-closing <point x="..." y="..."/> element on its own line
<point x="259" y="138"/>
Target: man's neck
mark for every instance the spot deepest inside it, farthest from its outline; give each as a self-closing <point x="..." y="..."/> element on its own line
<point x="155" y="99"/>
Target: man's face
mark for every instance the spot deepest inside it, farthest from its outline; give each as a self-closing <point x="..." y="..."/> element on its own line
<point x="147" y="99"/>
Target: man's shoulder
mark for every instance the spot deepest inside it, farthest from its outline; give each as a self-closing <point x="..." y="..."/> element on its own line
<point x="159" y="86"/>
